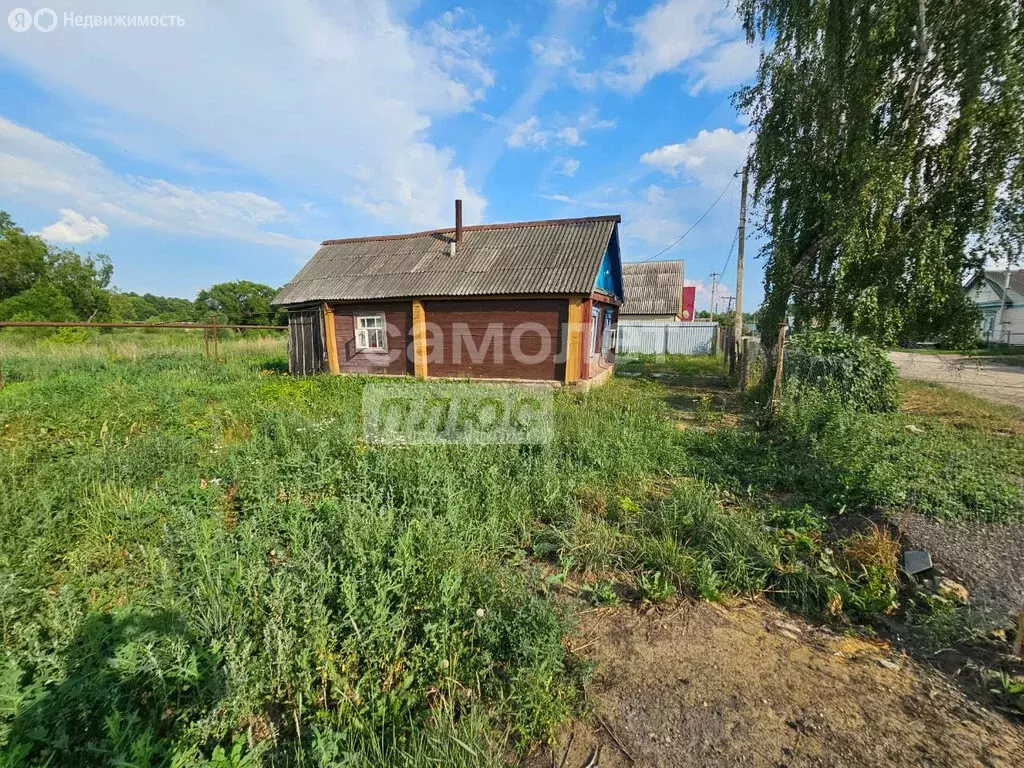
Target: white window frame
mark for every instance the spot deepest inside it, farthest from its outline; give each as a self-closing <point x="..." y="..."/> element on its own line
<point x="368" y="324"/>
<point x="595" y="319"/>
<point x="608" y="332"/>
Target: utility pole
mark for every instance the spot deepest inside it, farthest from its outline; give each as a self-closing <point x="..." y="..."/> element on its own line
<point x="737" y="323"/>
<point x="714" y="288"/>
<point x="1001" y="317"/>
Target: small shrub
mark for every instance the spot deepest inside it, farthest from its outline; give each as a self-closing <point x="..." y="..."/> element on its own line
<point x="601" y="593"/>
<point x="654" y="587"/>
<point x="852" y="369"/>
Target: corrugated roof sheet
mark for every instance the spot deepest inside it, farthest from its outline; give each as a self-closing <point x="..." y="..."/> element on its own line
<point x="560" y="256"/>
<point x="653" y="288"/>
<point x="998" y="276"/>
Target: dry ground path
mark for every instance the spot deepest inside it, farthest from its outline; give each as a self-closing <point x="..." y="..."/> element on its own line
<point x="697" y="684"/>
<point x="991" y="380"/>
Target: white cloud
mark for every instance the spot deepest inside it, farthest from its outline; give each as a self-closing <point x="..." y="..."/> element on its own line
<point x="529" y="133"/>
<point x="668" y="36"/>
<point x="294" y="91"/>
<point x="553" y="51"/>
<point x="571" y="135"/>
<point x="609" y="15"/>
<point x="566" y="166"/>
<point x="37" y="169"/>
<point x="727" y="66"/>
<point x="710" y="157"/>
<point x="73" y="228"/>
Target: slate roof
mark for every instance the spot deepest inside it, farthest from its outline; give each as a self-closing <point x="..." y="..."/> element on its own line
<point x="653" y="288"/>
<point x="998" y="276"/>
<point x="560" y="256"/>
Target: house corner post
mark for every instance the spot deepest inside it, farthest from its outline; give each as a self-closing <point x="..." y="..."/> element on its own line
<point x="573" y="338"/>
<point x="330" y="339"/>
<point x="419" y="339"/>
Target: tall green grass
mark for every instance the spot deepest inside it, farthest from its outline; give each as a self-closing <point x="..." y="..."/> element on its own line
<point x="204" y="564"/>
<point x="197" y="556"/>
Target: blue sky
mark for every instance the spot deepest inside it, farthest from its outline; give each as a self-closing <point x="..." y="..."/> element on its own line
<point x="229" y="145"/>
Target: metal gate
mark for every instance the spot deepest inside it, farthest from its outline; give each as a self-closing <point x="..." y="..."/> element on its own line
<point x="307" y="353"/>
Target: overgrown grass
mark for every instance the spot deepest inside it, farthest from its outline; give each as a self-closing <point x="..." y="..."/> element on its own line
<point x="205" y="564"/>
<point x="195" y="554"/>
<point x="840" y="460"/>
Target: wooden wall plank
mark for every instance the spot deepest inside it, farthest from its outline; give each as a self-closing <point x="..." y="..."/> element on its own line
<point x="331" y="339"/>
<point x="419" y="339"/>
<point x="573" y="352"/>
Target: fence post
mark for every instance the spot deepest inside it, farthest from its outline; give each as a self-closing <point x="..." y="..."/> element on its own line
<point x="206" y="342"/>
<point x="665" y="347"/>
<point x="780" y="355"/>
<point x="746" y="362"/>
<point x="216" y="352"/>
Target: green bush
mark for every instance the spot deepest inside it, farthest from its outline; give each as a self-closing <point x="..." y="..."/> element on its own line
<point x="849" y="368"/>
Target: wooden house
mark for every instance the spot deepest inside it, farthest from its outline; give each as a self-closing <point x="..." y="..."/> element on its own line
<point x="1000" y="297"/>
<point x="526" y="301"/>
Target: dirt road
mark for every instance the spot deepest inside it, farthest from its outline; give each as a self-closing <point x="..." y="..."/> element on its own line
<point x="986" y="379"/>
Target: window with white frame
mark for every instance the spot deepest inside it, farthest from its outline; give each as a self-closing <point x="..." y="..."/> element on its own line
<point x="370" y="333"/>
<point x="608" y="332"/>
<point x="595" y="319"/>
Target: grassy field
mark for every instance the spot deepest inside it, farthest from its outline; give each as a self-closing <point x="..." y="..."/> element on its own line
<point x="205" y="564"/>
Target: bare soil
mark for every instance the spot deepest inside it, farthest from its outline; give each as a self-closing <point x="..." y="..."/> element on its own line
<point x="696" y="684"/>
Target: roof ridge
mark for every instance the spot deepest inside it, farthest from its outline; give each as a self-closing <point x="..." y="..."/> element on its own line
<point x="475" y="228"/>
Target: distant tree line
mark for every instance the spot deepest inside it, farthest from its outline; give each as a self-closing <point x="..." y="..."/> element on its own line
<point x="39" y="281"/>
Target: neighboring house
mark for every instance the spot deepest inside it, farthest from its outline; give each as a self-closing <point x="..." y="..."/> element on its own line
<point x="654" y="292"/>
<point x="534" y="301"/>
<point x="986" y="291"/>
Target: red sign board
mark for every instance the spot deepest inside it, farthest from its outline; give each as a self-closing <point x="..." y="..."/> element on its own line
<point x="689" y="298"/>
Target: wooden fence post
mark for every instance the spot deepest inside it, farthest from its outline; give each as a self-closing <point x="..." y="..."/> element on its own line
<point x="746" y="362"/>
<point x="206" y="342"/>
<point x="216" y="352"/>
<point x="780" y="356"/>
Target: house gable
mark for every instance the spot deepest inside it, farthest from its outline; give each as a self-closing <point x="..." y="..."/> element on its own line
<point x="609" y="274"/>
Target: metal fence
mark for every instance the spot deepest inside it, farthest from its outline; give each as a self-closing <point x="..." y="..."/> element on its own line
<point x="645" y="338"/>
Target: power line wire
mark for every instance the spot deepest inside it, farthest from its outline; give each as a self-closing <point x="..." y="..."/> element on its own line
<point x="692" y="226"/>
<point x="735" y="238"/>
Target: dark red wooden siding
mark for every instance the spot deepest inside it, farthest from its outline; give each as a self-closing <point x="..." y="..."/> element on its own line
<point x="397" y="321"/>
<point x="453" y="325"/>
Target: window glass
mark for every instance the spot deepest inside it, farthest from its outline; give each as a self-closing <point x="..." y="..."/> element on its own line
<point x="370" y="333"/>
<point x="595" y="319"/>
<point x="607" y="338"/>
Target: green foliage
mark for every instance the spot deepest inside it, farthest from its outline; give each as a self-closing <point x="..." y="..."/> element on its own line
<point x="884" y="134"/>
<point x="853" y="371"/>
<point x="654" y="587"/>
<point x="42" y="301"/>
<point x="838" y="459"/>
<point x="240" y="303"/>
<point x="41" y="282"/>
<point x="22" y="259"/>
<point x="196" y="553"/>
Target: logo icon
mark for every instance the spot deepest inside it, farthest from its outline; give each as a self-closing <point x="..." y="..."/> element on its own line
<point x="46" y="19"/>
<point x="20" y="20"/>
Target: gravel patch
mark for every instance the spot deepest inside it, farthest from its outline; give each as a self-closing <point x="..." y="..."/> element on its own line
<point x="988" y="559"/>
